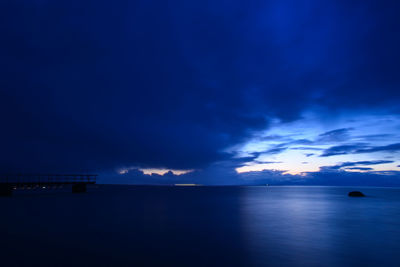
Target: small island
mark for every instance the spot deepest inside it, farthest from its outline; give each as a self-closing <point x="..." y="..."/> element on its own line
<point x="356" y="194"/>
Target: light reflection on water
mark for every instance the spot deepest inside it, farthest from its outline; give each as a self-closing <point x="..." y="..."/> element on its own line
<point x="202" y="226"/>
<point x="321" y="226"/>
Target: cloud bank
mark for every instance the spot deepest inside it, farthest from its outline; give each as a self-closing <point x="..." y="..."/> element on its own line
<point x="94" y="86"/>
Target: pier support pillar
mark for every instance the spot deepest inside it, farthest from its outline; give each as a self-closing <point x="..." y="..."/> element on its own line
<point x="6" y="190"/>
<point x="79" y="188"/>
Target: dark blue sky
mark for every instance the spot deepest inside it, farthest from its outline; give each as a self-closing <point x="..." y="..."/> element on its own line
<point x="235" y="92"/>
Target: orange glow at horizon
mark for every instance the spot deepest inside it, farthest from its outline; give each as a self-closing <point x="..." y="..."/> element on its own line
<point x="161" y="171"/>
<point x="150" y="171"/>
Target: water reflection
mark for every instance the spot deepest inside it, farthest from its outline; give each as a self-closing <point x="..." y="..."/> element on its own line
<point x="321" y="226"/>
<point x="202" y="226"/>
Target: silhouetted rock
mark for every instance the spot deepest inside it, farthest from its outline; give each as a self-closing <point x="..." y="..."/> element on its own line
<point x="356" y="194"/>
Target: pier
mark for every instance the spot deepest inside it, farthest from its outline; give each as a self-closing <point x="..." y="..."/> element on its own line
<point x="79" y="182"/>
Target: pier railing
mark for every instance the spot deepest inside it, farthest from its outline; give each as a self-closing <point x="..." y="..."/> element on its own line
<point x="8" y="183"/>
<point x="17" y="179"/>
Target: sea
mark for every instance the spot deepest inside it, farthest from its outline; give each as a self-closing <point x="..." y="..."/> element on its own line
<point x="121" y="225"/>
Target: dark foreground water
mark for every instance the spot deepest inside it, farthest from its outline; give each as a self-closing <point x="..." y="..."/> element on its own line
<point x="201" y="226"/>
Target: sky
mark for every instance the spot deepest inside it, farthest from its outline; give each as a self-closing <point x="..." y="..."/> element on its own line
<point x="205" y="92"/>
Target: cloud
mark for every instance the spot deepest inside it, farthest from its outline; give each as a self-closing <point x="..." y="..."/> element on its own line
<point x="337" y="135"/>
<point x="372" y="162"/>
<point x="271" y="177"/>
<point x="266" y="162"/>
<point x="306" y="148"/>
<point x="360" y="168"/>
<point x="387" y="148"/>
<point x="356" y="163"/>
<point x="275" y="150"/>
<point x="273" y="138"/>
<point x="319" y="136"/>
<point x="375" y="137"/>
<point x="359" y="149"/>
<point x="342" y="149"/>
<point x="353" y="178"/>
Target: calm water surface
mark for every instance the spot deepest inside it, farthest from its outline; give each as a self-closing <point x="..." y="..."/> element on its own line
<point x="201" y="226"/>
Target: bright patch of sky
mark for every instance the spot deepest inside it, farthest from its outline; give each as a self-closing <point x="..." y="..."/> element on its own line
<point x="371" y="142"/>
<point x="150" y="171"/>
